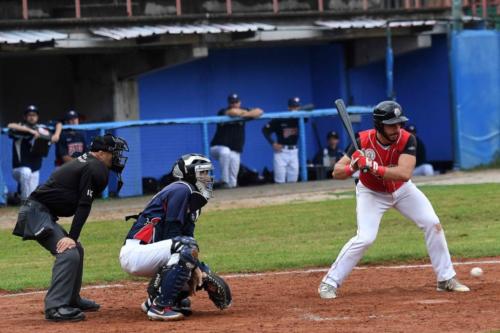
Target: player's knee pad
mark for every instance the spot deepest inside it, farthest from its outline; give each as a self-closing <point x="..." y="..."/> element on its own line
<point x="186" y="249"/>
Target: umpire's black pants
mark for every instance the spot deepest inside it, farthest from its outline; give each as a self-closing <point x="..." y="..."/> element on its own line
<point x="67" y="272"/>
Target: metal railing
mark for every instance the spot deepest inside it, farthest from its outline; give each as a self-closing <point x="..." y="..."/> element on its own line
<point x="229" y="7"/>
<point x="203" y="122"/>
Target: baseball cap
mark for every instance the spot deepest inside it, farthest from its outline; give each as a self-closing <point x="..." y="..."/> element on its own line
<point x="31" y="108"/>
<point x="233" y="98"/>
<point x="294" y="102"/>
<point x="332" y="134"/>
<point x="71" y="114"/>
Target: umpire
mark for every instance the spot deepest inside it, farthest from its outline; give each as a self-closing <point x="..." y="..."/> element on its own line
<point x="69" y="191"/>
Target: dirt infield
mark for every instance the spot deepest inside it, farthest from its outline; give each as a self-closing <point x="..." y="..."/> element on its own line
<point x="373" y="299"/>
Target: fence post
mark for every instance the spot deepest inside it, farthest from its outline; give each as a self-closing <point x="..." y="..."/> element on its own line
<point x="302" y="150"/>
<point x="276" y="6"/>
<point x="25" y="9"/>
<point x="320" y="6"/>
<point x="78" y="12"/>
<point x="389" y="63"/>
<point x="105" y="193"/>
<point x="229" y="7"/>
<point x="129" y="8"/>
<point x="178" y="7"/>
<point x="206" y="148"/>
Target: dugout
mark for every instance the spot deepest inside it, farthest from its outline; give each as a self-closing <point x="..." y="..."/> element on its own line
<point x="123" y="71"/>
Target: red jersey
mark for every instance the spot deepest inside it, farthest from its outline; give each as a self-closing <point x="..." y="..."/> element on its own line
<point x="387" y="156"/>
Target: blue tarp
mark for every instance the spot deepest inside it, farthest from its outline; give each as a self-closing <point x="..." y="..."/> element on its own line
<point x="476" y="79"/>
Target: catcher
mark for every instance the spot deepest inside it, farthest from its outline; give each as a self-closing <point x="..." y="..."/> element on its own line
<point x="160" y="244"/>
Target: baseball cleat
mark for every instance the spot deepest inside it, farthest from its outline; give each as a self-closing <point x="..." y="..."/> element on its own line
<point x="327" y="291"/>
<point x="146" y="305"/>
<point x="163" y="313"/>
<point x="452" y="285"/>
<point x="184" y="307"/>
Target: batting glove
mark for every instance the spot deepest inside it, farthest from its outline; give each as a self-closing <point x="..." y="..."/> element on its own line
<point x="374" y="167"/>
<point x="355" y="158"/>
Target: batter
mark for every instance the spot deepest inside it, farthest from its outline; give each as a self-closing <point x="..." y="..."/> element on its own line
<point x="388" y="154"/>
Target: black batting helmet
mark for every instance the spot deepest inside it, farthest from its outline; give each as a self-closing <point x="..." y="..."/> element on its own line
<point x="387" y="113"/>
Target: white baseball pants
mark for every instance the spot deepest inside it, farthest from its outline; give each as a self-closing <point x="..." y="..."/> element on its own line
<point x="286" y="166"/>
<point x="424" y="170"/>
<point x="146" y="259"/>
<point x="229" y="162"/>
<point x="27" y="179"/>
<point x="370" y="207"/>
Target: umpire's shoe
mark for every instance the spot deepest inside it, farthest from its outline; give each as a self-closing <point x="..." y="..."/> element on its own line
<point x="157" y="312"/>
<point x="64" y="313"/>
<point x="87" y="305"/>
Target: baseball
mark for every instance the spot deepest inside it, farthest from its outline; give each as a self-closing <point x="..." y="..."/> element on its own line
<point x="476" y="272"/>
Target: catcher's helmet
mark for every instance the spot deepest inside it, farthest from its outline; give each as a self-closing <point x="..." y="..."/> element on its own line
<point x="197" y="170"/>
<point x="387" y="113"/>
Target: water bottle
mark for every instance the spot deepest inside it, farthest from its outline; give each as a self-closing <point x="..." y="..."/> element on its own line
<point x="326" y="158"/>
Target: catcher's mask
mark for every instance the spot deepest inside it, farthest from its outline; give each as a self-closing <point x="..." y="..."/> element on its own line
<point x="116" y="146"/>
<point x="197" y="170"/>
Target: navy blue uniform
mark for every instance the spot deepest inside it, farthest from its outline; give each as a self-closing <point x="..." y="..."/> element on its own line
<point x="71" y="143"/>
<point x="170" y="213"/>
<point x="22" y="144"/>
<point x="231" y="134"/>
<point x="286" y="130"/>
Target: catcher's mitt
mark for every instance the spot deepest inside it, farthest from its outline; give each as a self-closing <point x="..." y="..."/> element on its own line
<point x="218" y="290"/>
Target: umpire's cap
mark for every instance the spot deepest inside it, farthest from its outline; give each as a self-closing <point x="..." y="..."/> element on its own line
<point x="294" y="102"/>
<point x="31" y="108"/>
<point x="109" y="143"/>
<point x="233" y="98"/>
<point x="71" y="114"/>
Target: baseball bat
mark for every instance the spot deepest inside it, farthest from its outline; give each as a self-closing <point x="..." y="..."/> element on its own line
<point x="346" y="121"/>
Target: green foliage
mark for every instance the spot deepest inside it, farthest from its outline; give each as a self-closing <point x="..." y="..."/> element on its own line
<point x="295" y="235"/>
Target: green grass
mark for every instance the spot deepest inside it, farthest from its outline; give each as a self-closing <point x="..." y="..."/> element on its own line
<point x="279" y="237"/>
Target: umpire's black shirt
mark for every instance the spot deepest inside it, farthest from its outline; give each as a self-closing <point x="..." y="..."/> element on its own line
<point x="70" y="190"/>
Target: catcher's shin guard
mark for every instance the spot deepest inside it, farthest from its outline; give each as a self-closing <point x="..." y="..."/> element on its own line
<point x="175" y="277"/>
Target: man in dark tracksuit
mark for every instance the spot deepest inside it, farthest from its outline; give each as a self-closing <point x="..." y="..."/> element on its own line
<point x="69" y="191"/>
<point x="72" y="142"/>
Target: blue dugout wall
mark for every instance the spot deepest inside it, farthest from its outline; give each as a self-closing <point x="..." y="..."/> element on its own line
<point x="264" y="77"/>
<point x="476" y="80"/>
<point x="267" y="77"/>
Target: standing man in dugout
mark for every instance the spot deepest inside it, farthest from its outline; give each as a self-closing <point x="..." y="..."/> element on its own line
<point x="388" y="154"/>
<point x="30" y="145"/>
<point x="72" y="143"/>
<point x="229" y="139"/>
<point x="69" y="191"/>
<point x="286" y="153"/>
